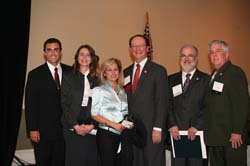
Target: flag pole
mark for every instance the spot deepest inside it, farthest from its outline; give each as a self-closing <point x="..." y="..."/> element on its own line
<point x="148" y="36"/>
<point x="147" y="19"/>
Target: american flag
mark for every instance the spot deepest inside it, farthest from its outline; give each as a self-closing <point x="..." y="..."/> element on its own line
<point x="148" y="36"/>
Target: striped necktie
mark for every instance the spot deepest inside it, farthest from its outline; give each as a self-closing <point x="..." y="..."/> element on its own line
<point x="186" y="83"/>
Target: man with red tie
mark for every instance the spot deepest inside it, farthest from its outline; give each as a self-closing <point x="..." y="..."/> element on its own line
<point x="146" y="84"/>
<point x="43" y="107"/>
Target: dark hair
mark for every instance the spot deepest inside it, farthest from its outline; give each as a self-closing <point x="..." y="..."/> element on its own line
<point x="141" y="36"/>
<point x="52" y="40"/>
<point x="94" y="65"/>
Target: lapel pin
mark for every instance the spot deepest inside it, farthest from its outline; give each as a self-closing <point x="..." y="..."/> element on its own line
<point x="197" y="78"/>
<point x="145" y="71"/>
<point x="221" y="74"/>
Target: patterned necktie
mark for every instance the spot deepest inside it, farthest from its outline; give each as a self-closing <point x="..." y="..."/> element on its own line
<point x="56" y="77"/>
<point x="186" y="83"/>
<point x="136" y="78"/>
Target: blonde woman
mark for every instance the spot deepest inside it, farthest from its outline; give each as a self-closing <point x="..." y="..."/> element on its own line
<point x="109" y="106"/>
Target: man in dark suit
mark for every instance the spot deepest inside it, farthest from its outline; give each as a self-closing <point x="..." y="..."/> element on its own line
<point x="226" y="109"/>
<point x="43" y="106"/>
<point x="187" y="100"/>
<point x="146" y="84"/>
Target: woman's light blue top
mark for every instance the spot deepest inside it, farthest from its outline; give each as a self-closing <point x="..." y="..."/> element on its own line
<point x="108" y="104"/>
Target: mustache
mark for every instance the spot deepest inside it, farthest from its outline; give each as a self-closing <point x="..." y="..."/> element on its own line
<point x="188" y="66"/>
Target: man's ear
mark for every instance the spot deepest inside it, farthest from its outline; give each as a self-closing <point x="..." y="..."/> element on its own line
<point x="227" y="55"/>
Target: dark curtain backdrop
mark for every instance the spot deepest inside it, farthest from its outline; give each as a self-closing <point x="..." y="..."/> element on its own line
<point x="13" y="66"/>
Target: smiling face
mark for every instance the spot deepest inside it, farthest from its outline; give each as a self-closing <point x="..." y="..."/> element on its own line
<point x="138" y="49"/>
<point x="52" y="53"/>
<point x="112" y="73"/>
<point x="218" y="56"/>
<point x="84" y="57"/>
<point x="188" y="59"/>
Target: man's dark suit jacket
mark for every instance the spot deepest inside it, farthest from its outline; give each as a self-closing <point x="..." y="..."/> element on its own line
<point x="42" y="103"/>
<point x="149" y="104"/>
<point x="187" y="108"/>
<point x="226" y="112"/>
<point x="71" y="99"/>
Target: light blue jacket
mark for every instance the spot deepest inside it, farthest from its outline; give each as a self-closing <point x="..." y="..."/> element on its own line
<point x="106" y="103"/>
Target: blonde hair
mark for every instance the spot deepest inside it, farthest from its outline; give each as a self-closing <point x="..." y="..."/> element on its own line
<point x="108" y="63"/>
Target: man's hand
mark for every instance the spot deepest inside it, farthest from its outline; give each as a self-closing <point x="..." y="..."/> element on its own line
<point x="156" y="136"/>
<point x="191" y="133"/>
<point x="35" y="136"/>
<point x="236" y="140"/>
<point x="174" y="131"/>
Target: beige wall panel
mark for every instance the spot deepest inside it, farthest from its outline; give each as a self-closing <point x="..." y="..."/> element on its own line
<point x="108" y="24"/>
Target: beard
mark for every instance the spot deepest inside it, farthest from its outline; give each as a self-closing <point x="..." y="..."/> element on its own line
<point x="187" y="67"/>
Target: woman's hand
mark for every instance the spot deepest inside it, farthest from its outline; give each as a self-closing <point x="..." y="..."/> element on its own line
<point x="117" y="126"/>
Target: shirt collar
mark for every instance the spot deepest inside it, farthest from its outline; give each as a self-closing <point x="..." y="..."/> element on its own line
<point x="108" y="85"/>
<point x="52" y="67"/>
<point x="185" y="73"/>
<point x="142" y="63"/>
<point x="86" y="73"/>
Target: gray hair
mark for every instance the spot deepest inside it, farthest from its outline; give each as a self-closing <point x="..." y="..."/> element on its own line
<point x="224" y="45"/>
<point x="189" y="46"/>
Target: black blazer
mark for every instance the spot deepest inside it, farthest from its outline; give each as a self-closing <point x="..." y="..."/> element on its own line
<point x="71" y="99"/>
<point x="151" y="96"/>
<point x="42" y="103"/>
<point x="149" y="104"/>
<point x="187" y="108"/>
<point x="226" y="112"/>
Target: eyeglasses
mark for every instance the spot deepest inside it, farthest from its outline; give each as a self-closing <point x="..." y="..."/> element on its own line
<point x="190" y="56"/>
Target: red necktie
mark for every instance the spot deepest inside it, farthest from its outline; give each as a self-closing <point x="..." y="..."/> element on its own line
<point x="136" y="78"/>
<point x="56" y="77"/>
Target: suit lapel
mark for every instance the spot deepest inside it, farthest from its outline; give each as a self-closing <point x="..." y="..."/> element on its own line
<point x="128" y="85"/>
<point x="174" y="81"/>
<point x="178" y="79"/>
<point x="80" y="80"/>
<point x="196" y="78"/>
<point x="49" y="75"/>
<point x="219" y="75"/>
<point x="131" y="74"/>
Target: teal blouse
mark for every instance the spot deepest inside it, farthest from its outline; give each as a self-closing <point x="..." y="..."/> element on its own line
<point x="108" y="104"/>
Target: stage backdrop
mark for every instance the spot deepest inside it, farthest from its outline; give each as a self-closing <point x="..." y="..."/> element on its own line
<point x="108" y="25"/>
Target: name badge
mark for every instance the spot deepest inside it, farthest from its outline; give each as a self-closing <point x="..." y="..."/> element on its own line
<point x="218" y="86"/>
<point x="177" y="90"/>
<point x="127" y="80"/>
<point x="127" y="124"/>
